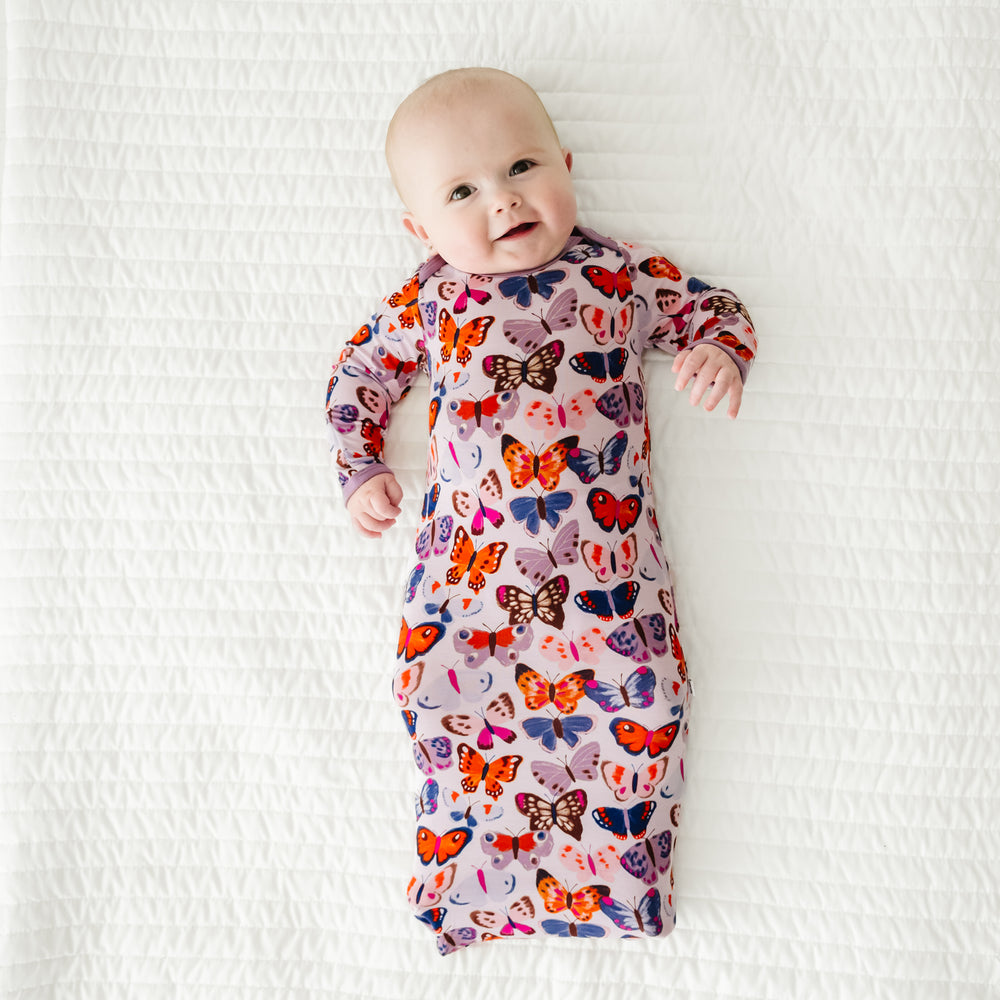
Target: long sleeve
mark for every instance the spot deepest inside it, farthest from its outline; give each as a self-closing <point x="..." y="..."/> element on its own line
<point x="676" y="311"/>
<point x="375" y="369"/>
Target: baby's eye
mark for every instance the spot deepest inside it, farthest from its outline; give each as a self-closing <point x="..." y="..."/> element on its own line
<point x="521" y="166"/>
<point x="462" y="191"/>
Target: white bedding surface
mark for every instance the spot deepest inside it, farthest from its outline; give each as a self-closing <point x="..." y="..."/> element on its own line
<point x="204" y="777"/>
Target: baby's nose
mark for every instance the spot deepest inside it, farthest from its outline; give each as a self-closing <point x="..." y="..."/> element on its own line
<point x="505" y="200"/>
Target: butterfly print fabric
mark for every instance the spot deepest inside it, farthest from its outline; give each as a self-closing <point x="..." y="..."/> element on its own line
<point x="540" y="677"/>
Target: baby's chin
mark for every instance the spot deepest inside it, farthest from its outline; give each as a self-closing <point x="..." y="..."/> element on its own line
<point x="523" y="249"/>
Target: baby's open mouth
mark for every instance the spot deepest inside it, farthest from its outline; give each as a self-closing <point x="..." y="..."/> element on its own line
<point x="522" y="230"/>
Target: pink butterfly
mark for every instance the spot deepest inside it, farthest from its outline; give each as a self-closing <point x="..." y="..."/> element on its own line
<point x="607" y="560"/>
<point x="608" y="324"/>
<point x="461" y="292"/>
<point x="491" y="722"/>
<point x="521" y="909"/>
<point x="468" y="502"/>
<point x="553" y="418"/>
<point x="627" y="781"/>
<point x="585" y="648"/>
<point x="601" y="862"/>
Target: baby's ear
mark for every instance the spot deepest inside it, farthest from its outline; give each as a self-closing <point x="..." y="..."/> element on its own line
<point x="411" y="225"/>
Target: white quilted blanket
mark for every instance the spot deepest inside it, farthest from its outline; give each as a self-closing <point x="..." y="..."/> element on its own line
<point x="204" y="775"/>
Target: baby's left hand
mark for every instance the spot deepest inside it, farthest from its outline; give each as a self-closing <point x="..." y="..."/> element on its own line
<point x="707" y="364"/>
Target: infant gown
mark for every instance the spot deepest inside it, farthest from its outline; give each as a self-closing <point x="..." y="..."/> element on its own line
<point x="539" y="673"/>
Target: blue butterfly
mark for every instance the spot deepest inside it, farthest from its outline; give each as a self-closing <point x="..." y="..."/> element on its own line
<point x="644" y="918"/>
<point x="427" y="801"/>
<point x="600" y="366"/>
<point x="548" y="730"/>
<point x="532" y="510"/>
<point x="588" y="465"/>
<point x="563" y="928"/>
<point x="636" y="692"/>
<point x="416" y="574"/>
<point x="434" y="918"/>
<point x="583" y="251"/>
<point x="621" y="823"/>
<point x="520" y="287"/>
<point x="607" y="603"/>
<point x="696" y="286"/>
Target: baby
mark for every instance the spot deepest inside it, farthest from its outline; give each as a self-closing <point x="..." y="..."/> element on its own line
<point x="539" y="670"/>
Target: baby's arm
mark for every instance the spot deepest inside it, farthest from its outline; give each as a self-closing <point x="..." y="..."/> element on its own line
<point x="374" y="505"/>
<point x="711" y="370"/>
<point x="375" y="369"/>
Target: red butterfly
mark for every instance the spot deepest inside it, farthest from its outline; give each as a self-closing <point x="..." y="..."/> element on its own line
<point x="609" y="283"/>
<point x="610" y="512"/>
<point x="372" y="436"/>
<point x="633" y="738"/>
<point x="398" y="366"/>
<point x="408" y="298"/>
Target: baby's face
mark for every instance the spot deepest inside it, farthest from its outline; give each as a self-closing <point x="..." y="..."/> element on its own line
<point x="487" y="185"/>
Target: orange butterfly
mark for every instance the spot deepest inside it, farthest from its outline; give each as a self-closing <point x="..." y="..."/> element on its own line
<point x="547" y="466"/>
<point x="408" y="297"/>
<point x="431" y="847"/>
<point x="660" y="267"/>
<point x="416" y="641"/>
<point x="583" y="903"/>
<point x="633" y="738"/>
<point x="564" y="694"/>
<point x="465" y="556"/>
<point x="460" y="339"/>
<point x="477" y="769"/>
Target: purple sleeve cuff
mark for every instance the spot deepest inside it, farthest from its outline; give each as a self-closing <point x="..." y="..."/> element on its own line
<point x="361" y="477"/>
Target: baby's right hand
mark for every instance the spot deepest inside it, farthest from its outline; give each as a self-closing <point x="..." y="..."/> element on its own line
<point x="374" y="505"/>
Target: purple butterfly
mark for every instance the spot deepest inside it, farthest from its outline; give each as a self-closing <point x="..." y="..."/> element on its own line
<point x="622" y="403"/>
<point x="530" y="334"/>
<point x="343" y="416"/>
<point x="538" y="564"/>
<point x="640" y="638"/>
<point x="557" y="778"/>
<point x="642" y="918"/>
<point x="636" y="691"/>
<point x="435" y="537"/>
<point x="649" y="858"/>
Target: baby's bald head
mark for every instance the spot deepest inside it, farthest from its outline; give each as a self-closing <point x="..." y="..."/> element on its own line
<point x="455" y="91"/>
